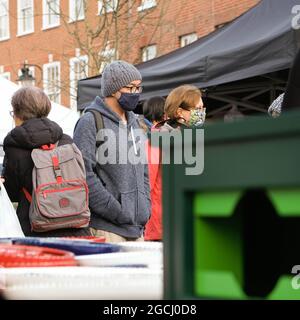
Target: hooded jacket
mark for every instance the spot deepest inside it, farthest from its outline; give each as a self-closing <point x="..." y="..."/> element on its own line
<point x="119" y="195"/>
<point x="18" y="165"/>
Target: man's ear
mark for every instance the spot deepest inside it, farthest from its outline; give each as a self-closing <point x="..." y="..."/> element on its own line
<point x="116" y="95"/>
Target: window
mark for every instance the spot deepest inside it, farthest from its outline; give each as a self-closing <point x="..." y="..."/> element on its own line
<point x="149" y="53"/>
<point x="188" y="39"/>
<point x="221" y="25"/>
<point x="50" y="13"/>
<point x="25" y="17"/>
<point x="106" y="6"/>
<point x="107" y="56"/>
<point x="4" y="20"/>
<point x="147" y="4"/>
<point x="78" y="70"/>
<point x="5" y="75"/>
<point x="52" y="81"/>
<point x="76" y="10"/>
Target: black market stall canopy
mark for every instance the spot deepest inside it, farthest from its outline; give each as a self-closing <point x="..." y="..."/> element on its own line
<point x="242" y="65"/>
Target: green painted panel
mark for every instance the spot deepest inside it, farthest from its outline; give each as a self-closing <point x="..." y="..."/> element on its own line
<point x="218" y="284"/>
<point x="286" y="202"/>
<point x="284" y="290"/>
<point x="237" y="158"/>
<point x="216" y="204"/>
<point x="218" y="247"/>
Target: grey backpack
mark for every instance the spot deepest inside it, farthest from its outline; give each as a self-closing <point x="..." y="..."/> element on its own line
<point x="60" y="193"/>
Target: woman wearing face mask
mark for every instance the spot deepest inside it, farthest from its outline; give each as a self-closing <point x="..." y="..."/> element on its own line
<point x="119" y="195"/>
<point x="183" y="108"/>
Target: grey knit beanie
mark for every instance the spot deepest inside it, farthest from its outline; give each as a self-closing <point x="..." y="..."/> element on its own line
<point x="116" y="75"/>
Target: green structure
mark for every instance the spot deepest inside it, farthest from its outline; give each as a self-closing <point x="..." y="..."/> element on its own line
<point x="233" y="232"/>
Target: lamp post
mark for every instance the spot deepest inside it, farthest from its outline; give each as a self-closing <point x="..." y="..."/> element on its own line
<point x="26" y="79"/>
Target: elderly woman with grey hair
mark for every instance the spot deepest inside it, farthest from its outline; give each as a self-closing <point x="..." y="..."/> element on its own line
<point x="33" y="129"/>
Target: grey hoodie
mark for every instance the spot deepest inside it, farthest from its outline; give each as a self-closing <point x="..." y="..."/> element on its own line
<point x="119" y="194"/>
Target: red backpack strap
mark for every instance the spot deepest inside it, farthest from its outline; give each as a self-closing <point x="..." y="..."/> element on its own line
<point x="27" y="194"/>
<point x="56" y="167"/>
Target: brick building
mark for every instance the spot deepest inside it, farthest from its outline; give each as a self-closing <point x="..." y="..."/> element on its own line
<point x="65" y="40"/>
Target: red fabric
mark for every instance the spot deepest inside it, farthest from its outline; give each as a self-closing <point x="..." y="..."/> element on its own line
<point x="55" y="162"/>
<point x="153" y="228"/>
<point x="27" y="195"/>
<point x="48" y="147"/>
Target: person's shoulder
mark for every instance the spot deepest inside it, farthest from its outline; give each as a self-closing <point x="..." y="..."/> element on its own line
<point x="7" y="140"/>
<point x="9" y="143"/>
<point x="86" y="121"/>
<point x="65" y="139"/>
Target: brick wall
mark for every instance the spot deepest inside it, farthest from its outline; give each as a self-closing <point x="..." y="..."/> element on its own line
<point x="180" y="17"/>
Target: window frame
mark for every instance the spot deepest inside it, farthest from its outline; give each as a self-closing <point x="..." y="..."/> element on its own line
<point x="147" y="4"/>
<point x="6" y="75"/>
<point x="46" y="67"/>
<point x="7" y="36"/>
<point x="45" y="14"/>
<point x="105" y="54"/>
<point x="144" y="49"/>
<point x="72" y="17"/>
<point x="185" y="36"/>
<point x="73" y="86"/>
<point x="20" y="20"/>
<point x="110" y="10"/>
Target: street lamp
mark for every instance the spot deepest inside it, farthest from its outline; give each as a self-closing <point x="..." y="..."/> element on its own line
<point x="26" y="79"/>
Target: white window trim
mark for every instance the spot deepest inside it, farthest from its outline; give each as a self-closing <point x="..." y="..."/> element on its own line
<point x="100" y="6"/>
<point x="72" y="77"/>
<point x="148" y="47"/>
<point x="71" y="18"/>
<point x="5" y="75"/>
<point x="145" y="5"/>
<point x="107" y="54"/>
<point x="5" y="38"/>
<point x="45" y="80"/>
<point x="22" y="33"/>
<point x="188" y="35"/>
<point x="50" y="26"/>
<point x="8" y="31"/>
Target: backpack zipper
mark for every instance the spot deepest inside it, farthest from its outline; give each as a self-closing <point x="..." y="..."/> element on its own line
<point x="44" y="193"/>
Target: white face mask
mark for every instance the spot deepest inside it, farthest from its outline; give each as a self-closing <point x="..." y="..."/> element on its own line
<point x="197" y="117"/>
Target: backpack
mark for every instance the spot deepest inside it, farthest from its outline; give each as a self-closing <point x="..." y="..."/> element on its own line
<point x="59" y="198"/>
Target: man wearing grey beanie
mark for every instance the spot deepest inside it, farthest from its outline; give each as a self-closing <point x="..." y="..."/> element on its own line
<point x="119" y="193"/>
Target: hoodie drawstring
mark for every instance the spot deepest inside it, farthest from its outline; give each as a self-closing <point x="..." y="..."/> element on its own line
<point x="133" y="139"/>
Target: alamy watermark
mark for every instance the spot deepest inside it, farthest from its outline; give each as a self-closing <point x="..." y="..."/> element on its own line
<point x="295" y="282"/>
<point x="296" y="18"/>
<point x="134" y="148"/>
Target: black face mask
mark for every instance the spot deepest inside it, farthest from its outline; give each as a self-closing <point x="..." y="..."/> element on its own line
<point x="129" y="101"/>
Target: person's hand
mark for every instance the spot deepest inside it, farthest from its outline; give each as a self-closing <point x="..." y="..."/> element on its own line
<point x="2" y="179"/>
